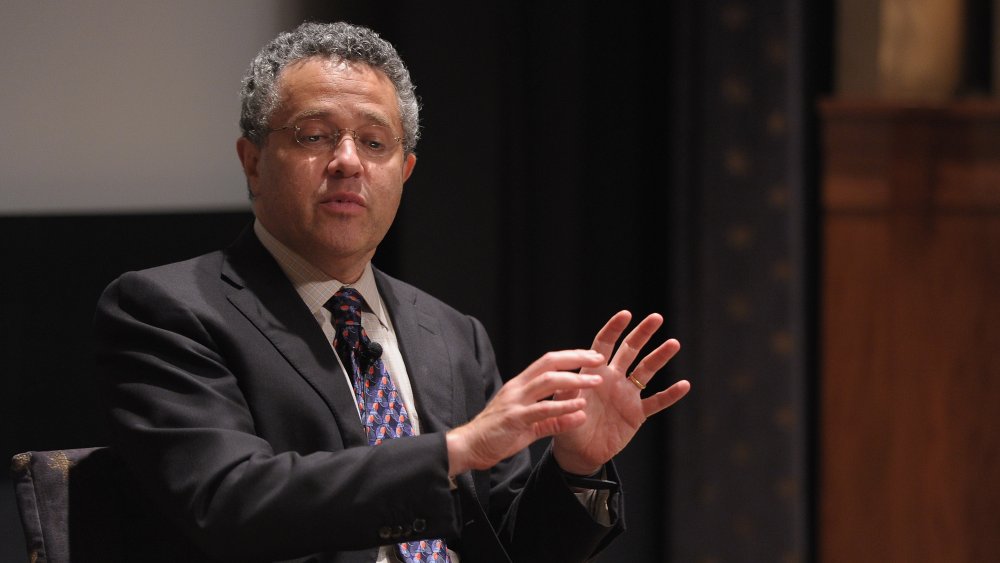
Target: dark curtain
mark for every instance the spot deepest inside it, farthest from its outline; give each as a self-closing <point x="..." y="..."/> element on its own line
<point x="583" y="157"/>
<point x="744" y="229"/>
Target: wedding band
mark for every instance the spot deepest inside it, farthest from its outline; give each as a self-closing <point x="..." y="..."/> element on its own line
<point x="636" y="382"/>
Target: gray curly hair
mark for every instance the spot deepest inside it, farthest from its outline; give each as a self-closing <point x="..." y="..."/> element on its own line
<point x="341" y="41"/>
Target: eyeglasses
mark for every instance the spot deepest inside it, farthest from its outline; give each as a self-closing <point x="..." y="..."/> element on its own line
<point x="373" y="142"/>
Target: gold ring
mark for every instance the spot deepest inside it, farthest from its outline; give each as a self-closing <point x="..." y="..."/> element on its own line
<point x="636" y="382"/>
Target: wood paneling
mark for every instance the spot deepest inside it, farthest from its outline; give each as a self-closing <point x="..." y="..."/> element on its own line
<point x="910" y="391"/>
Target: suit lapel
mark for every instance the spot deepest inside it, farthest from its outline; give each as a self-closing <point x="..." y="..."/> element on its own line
<point x="425" y="354"/>
<point x="265" y="296"/>
<point x="439" y="392"/>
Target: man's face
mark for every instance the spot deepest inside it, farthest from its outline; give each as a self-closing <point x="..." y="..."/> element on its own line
<point x="332" y="207"/>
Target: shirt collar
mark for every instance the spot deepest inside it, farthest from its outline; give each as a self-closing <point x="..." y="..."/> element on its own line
<point x="313" y="286"/>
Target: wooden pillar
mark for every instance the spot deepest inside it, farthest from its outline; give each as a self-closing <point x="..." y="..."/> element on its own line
<point x="910" y="391"/>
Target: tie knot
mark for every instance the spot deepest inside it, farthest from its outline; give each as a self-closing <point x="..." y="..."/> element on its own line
<point x="346" y="305"/>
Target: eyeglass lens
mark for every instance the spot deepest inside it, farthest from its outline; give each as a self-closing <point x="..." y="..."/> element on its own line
<point x="373" y="141"/>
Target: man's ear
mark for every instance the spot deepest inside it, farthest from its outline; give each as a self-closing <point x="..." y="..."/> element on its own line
<point x="408" y="164"/>
<point x="249" y="154"/>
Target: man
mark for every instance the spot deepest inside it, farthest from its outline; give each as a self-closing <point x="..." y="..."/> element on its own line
<point x="284" y="399"/>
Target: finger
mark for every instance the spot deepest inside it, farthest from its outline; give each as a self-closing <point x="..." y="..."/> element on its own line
<point x="563" y="394"/>
<point x="655" y="360"/>
<point x="562" y="360"/>
<point x="665" y="398"/>
<point x="637" y="338"/>
<point x="609" y="334"/>
<point x="559" y="424"/>
<point x="550" y="383"/>
<point x="542" y="410"/>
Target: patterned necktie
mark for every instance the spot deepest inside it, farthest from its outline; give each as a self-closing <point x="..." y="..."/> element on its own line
<point x="382" y="411"/>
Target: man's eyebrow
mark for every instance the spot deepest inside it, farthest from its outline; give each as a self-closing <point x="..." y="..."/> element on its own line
<point x="369" y="116"/>
<point x="377" y="118"/>
<point x="310" y="114"/>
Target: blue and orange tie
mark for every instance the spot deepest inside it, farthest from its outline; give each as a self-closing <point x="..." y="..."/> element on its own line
<point x="383" y="413"/>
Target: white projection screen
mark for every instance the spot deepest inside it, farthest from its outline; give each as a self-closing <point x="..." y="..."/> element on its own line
<point x="120" y="107"/>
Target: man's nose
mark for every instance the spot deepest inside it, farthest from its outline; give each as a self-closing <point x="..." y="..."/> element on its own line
<point x="346" y="161"/>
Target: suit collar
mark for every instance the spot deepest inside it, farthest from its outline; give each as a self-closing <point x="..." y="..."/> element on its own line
<point x="265" y="296"/>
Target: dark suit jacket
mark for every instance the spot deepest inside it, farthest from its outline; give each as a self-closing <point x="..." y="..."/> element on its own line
<point x="234" y="420"/>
